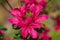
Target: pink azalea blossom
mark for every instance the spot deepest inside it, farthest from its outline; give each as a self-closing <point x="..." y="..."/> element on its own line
<point x="2" y="32"/>
<point x="27" y="23"/>
<point x="57" y="27"/>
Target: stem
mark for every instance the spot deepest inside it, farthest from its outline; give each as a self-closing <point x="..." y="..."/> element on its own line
<point x="4" y="7"/>
<point x="9" y="4"/>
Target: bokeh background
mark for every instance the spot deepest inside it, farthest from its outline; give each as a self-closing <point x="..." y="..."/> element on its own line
<point x="53" y="10"/>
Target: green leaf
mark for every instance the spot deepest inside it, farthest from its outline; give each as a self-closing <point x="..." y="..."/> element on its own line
<point x="3" y="28"/>
<point x="14" y="27"/>
<point x="1" y="37"/>
<point x="17" y="36"/>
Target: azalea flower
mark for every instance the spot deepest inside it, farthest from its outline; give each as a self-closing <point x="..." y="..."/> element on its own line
<point x="26" y="21"/>
<point x="57" y="27"/>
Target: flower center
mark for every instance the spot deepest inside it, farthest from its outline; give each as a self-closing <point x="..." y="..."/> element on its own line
<point x="28" y="14"/>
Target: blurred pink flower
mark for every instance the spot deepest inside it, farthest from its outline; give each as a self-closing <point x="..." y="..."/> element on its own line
<point x="27" y="23"/>
<point x="45" y="35"/>
<point x="57" y="27"/>
<point x="6" y="38"/>
<point x="2" y="32"/>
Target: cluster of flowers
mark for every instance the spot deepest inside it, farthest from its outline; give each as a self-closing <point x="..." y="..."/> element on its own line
<point x="29" y="17"/>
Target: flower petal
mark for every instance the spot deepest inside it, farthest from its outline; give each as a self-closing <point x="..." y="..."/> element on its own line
<point x="21" y="22"/>
<point x="33" y="33"/>
<point x="14" y="21"/>
<point x="24" y="32"/>
<point x="32" y="8"/>
<point x="39" y="9"/>
<point x="22" y="10"/>
<point x="43" y="3"/>
<point x="15" y="12"/>
<point x="35" y="25"/>
<point x="42" y="18"/>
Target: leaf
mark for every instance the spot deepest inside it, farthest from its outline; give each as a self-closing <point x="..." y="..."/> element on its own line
<point x="14" y="27"/>
<point x="16" y="36"/>
<point x="3" y="28"/>
<point x="1" y="37"/>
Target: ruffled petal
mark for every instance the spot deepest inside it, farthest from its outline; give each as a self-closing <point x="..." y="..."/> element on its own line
<point x="39" y="9"/>
<point x="35" y="25"/>
<point x="21" y="22"/>
<point x="43" y="3"/>
<point x="33" y="33"/>
<point x="14" y="21"/>
<point x="22" y="10"/>
<point x="42" y="18"/>
<point x="15" y="12"/>
<point x="24" y="32"/>
<point x="32" y="8"/>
